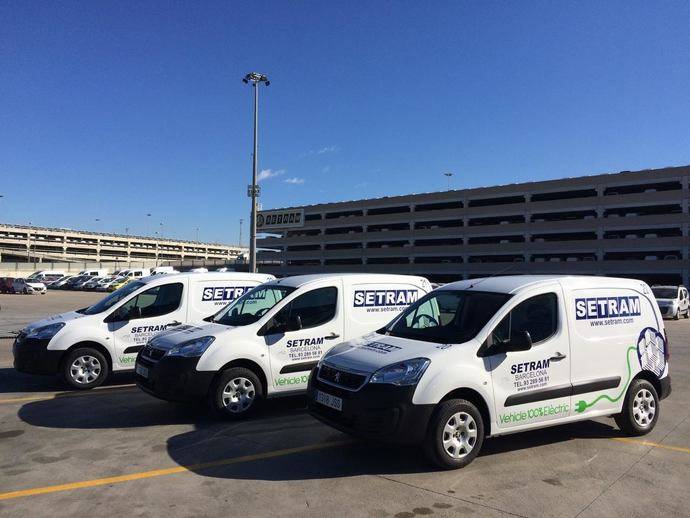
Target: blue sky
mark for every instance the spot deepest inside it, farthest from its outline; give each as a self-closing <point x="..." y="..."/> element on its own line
<point x="112" y="110"/>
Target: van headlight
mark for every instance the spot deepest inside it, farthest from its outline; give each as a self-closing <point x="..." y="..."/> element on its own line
<point x="45" y="332"/>
<point x="407" y="372"/>
<point x="192" y="348"/>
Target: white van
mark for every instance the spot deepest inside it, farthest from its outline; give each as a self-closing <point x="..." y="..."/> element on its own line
<point x="673" y="301"/>
<point x="267" y="342"/>
<point x="159" y="270"/>
<point x="46" y="275"/>
<point x="101" y="272"/>
<point x="135" y="272"/>
<point x="488" y="357"/>
<point x="86" y="345"/>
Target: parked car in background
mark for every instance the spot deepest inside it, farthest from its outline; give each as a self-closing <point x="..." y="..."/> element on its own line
<point x="81" y="283"/>
<point x="6" y="284"/>
<point x="673" y="301"/>
<point x="28" y="286"/>
<point x="163" y="270"/>
<point x="46" y="275"/>
<point x="60" y="282"/>
<point x="92" y="284"/>
<point x="71" y="283"/>
<point x="119" y="283"/>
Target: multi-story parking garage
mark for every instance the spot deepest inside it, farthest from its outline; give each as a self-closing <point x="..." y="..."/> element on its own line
<point x="632" y="224"/>
<point x="19" y="242"/>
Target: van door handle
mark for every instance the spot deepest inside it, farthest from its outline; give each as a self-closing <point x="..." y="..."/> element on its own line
<point x="558" y="356"/>
<point x="332" y="336"/>
<point x="174" y="323"/>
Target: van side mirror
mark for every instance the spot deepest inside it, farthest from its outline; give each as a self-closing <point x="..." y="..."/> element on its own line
<point x="520" y="341"/>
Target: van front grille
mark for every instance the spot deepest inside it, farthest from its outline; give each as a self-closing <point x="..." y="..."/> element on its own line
<point x="341" y="378"/>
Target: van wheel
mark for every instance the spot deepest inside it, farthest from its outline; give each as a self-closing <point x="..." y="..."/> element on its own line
<point x="456" y="434"/>
<point x="677" y="315"/>
<point x="84" y="368"/>
<point x="640" y="410"/>
<point x="236" y="393"/>
<point x="687" y="313"/>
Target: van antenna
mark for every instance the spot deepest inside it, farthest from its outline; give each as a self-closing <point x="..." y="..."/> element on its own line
<point x="512" y="265"/>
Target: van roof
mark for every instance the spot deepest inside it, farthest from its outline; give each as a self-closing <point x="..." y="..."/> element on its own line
<point x="210" y="276"/>
<point x="516" y="283"/>
<point x="297" y="281"/>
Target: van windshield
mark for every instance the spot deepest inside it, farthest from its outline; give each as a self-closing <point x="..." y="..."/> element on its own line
<point x="665" y="293"/>
<point x="113" y="298"/>
<point x="251" y="306"/>
<point x="447" y="316"/>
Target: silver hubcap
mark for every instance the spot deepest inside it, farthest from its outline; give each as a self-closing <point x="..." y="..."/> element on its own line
<point x="644" y="408"/>
<point x="459" y="435"/>
<point x="238" y="395"/>
<point x="85" y="369"/>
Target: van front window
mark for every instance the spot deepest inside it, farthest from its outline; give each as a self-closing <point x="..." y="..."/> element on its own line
<point x="113" y="298"/>
<point x="251" y="306"/>
<point x="447" y="316"/>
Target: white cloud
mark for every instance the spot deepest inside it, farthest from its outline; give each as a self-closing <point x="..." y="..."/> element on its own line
<point x="265" y="174"/>
<point x="294" y="180"/>
<point x="328" y="149"/>
<point x="322" y="151"/>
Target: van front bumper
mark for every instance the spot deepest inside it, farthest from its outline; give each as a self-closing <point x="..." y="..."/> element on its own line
<point x="173" y="378"/>
<point x="376" y="411"/>
<point x="32" y="356"/>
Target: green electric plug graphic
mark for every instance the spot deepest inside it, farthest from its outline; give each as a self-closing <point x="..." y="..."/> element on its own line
<point x="582" y="405"/>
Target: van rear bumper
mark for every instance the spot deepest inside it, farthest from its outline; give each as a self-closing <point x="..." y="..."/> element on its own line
<point x="32" y="356"/>
<point x="174" y="379"/>
<point x="665" y="387"/>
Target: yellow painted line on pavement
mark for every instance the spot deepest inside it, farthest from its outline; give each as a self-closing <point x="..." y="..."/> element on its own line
<point x="168" y="471"/>
<point x="61" y="395"/>
<point x="652" y="444"/>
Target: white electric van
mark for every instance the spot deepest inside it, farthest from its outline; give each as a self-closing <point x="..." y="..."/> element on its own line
<point x="135" y="272"/>
<point x="86" y="345"/>
<point x="488" y="357"/>
<point x="267" y="342"/>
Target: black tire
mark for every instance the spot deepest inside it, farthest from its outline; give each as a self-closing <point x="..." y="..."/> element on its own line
<point x="456" y="456"/>
<point x="677" y="315"/>
<point x="247" y="396"/>
<point x="84" y="368"/>
<point x="640" y="398"/>
<point x="687" y="313"/>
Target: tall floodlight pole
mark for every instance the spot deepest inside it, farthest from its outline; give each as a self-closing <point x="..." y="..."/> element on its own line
<point x="448" y="175"/>
<point x="255" y="79"/>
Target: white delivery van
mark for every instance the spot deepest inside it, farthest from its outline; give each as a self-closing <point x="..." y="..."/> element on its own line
<point x="86" y="345"/>
<point x="102" y="272"/>
<point x="159" y="270"/>
<point x="489" y="357"/>
<point x="46" y="275"/>
<point x="673" y="301"/>
<point x="267" y="342"/>
<point x="135" y="272"/>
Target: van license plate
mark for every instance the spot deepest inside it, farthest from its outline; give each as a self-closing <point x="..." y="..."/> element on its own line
<point x="333" y="402"/>
<point x="141" y="371"/>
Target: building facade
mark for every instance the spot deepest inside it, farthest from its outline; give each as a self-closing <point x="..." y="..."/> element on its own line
<point x="632" y="224"/>
<point x="18" y="242"/>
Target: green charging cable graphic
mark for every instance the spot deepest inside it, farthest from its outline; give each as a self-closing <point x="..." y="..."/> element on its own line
<point x="581" y="405"/>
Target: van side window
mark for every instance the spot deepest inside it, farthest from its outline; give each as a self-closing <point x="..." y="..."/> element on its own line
<point x="537" y="315"/>
<point x="315" y="307"/>
<point x="157" y="301"/>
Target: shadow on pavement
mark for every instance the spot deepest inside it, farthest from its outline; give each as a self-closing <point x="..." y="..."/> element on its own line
<point x="357" y="458"/>
<point x="12" y="381"/>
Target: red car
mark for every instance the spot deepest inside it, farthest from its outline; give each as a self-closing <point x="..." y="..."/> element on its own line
<point x="6" y="284"/>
